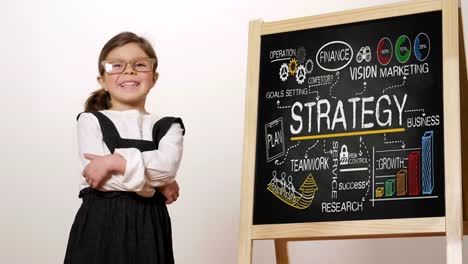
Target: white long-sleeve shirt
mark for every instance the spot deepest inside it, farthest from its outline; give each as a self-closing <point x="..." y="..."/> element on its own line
<point x="144" y="170"/>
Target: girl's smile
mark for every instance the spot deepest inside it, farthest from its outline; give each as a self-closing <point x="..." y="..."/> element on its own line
<point x="129" y="85"/>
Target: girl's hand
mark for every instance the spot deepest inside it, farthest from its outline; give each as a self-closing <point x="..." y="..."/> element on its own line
<point x="170" y="191"/>
<point x="100" y="169"/>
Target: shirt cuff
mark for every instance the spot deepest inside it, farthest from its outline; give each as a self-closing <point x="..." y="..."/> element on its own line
<point x="134" y="177"/>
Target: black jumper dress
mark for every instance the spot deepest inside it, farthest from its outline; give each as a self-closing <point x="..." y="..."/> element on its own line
<point x="122" y="227"/>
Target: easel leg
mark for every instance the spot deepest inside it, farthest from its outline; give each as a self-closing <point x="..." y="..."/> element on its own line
<point x="464" y="116"/>
<point x="281" y="250"/>
<point x="452" y="136"/>
<point x="245" y="251"/>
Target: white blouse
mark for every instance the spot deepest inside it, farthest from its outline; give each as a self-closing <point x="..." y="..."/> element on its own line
<point x="144" y="170"/>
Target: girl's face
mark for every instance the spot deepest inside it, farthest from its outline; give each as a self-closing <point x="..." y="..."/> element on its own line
<point x="130" y="87"/>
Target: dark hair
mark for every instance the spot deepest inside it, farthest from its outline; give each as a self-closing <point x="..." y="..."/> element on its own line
<point x="100" y="99"/>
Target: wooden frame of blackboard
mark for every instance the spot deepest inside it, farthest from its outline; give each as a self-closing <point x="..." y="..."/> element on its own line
<point x="451" y="225"/>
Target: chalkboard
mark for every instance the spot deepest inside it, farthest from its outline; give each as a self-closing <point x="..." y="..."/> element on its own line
<point x="350" y="122"/>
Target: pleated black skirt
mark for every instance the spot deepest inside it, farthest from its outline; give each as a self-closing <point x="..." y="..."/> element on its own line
<point x="120" y="228"/>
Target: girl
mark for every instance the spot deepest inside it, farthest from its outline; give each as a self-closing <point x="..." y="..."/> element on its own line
<point x="129" y="159"/>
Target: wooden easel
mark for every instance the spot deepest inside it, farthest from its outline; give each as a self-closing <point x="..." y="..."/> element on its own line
<point x="454" y="77"/>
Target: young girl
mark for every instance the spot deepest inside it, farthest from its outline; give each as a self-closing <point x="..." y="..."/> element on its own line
<point x="129" y="159"/>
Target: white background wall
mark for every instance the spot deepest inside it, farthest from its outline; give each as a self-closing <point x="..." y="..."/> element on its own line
<point x="49" y="52"/>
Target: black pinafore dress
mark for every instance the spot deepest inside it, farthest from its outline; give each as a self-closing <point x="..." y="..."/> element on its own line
<point x="122" y="227"/>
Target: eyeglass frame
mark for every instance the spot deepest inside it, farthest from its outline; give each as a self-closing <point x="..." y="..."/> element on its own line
<point x="131" y="62"/>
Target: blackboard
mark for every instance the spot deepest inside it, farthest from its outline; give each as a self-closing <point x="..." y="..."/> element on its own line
<point x="350" y="122"/>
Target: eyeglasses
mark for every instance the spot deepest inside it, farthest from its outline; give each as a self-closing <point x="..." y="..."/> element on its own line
<point x="139" y="65"/>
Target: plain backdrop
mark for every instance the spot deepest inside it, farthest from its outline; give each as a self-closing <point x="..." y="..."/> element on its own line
<point x="49" y="51"/>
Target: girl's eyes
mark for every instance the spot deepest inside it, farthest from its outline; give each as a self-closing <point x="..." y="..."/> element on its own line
<point x="118" y="66"/>
<point x="141" y="64"/>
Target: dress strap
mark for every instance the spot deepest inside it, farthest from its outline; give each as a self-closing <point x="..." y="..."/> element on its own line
<point x="112" y="139"/>
<point x="110" y="134"/>
<point x="161" y="127"/>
